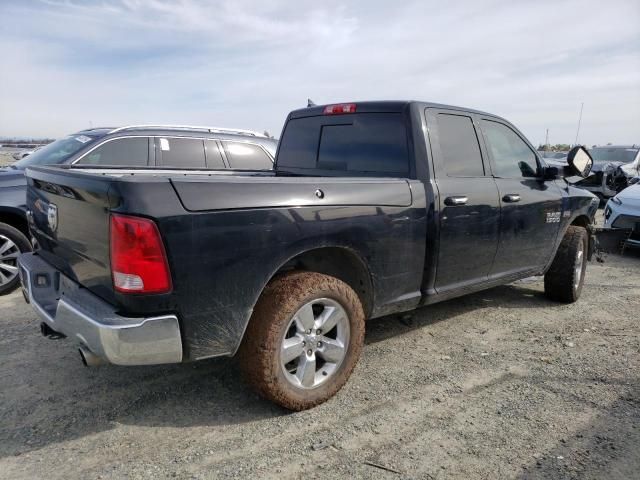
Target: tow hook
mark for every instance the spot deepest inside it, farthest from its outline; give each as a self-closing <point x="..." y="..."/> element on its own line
<point x="50" y="333"/>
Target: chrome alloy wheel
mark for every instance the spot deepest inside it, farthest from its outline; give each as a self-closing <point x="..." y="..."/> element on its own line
<point x="9" y="252"/>
<point x="578" y="266"/>
<point x="315" y="343"/>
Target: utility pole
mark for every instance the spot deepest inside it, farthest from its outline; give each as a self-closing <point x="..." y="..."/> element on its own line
<point x="579" y="122"/>
<point x="546" y="140"/>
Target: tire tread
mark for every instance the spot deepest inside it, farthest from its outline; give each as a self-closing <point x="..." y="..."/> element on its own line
<point x="23" y="244"/>
<point x="560" y="278"/>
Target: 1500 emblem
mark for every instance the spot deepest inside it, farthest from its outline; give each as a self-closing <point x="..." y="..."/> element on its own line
<point x="52" y="217"/>
<point x="553" y="217"/>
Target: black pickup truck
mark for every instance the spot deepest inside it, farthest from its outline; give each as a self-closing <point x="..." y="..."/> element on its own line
<point x="375" y="208"/>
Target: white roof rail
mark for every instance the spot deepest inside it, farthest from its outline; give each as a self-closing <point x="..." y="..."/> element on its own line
<point x="237" y="131"/>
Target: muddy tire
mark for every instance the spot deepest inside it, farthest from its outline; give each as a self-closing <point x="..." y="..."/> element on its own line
<point x="564" y="279"/>
<point x="12" y="243"/>
<point x="304" y="339"/>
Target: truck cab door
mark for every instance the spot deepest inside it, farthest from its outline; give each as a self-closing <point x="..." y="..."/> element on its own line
<point x="469" y="209"/>
<point x="531" y="209"/>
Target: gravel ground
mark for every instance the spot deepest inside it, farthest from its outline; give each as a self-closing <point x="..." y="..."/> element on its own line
<point x="500" y="384"/>
<point x="6" y="158"/>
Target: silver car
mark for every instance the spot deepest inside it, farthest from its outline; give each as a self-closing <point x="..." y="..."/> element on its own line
<point x="623" y="211"/>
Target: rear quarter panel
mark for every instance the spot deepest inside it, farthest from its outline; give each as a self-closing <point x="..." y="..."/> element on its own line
<point x="222" y="260"/>
<point x="13" y="192"/>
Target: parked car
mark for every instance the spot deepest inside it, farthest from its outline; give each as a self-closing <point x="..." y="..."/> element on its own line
<point x="559" y="160"/>
<point x="558" y="156"/>
<point x="20" y="154"/>
<point x="613" y="167"/>
<point x="142" y="146"/>
<point x="623" y="211"/>
<point x="369" y="213"/>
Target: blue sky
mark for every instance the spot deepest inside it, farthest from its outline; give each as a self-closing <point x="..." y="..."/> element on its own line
<point x="71" y="64"/>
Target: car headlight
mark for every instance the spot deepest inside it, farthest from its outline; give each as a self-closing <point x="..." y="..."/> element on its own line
<point x="616" y="200"/>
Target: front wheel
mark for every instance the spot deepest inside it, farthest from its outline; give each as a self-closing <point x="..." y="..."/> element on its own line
<point x="564" y="280"/>
<point x="304" y="339"/>
<point x="12" y="244"/>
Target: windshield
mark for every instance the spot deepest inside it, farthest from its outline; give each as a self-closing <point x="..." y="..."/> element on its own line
<point x="56" y="152"/>
<point x="603" y="154"/>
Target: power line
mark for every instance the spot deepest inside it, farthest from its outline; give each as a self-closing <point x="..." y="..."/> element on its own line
<point x="579" y="122"/>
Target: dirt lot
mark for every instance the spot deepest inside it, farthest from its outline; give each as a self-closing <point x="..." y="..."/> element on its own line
<point x="6" y="158"/>
<point x="501" y="384"/>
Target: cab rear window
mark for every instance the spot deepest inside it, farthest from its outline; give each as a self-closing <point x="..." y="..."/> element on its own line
<point x="365" y="143"/>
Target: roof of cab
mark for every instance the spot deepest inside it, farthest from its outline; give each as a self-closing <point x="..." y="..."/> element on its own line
<point x="380" y="106"/>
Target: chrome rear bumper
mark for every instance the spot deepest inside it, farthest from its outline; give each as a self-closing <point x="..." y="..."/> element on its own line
<point x="79" y="314"/>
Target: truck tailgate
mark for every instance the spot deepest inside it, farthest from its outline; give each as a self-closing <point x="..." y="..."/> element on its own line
<point x="70" y="221"/>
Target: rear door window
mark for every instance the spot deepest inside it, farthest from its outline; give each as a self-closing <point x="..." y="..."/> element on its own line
<point x="121" y="152"/>
<point x="511" y="155"/>
<point x="459" y="146"/>
<point x="246" y="156"/>
<point x="360" y="143"/>
<point x="182" y="152"/>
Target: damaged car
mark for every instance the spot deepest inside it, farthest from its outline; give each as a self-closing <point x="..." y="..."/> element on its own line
<point x="613" y="167"/>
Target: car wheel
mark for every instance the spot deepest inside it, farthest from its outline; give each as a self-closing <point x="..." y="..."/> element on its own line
<point x="564" y="280"/>
<point x="12" y="244"/>
<point x="304" y="339"/>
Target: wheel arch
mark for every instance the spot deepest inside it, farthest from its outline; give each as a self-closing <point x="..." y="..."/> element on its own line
<point x="581" y="220"/>
<point x="340" y="262"/>
<point x="15" y="218"/>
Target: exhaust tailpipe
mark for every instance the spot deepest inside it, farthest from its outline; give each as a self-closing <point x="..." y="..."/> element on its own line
<point x="89" y="359"/>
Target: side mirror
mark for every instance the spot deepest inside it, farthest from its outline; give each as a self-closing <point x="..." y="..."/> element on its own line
<point x="580" y="162"/>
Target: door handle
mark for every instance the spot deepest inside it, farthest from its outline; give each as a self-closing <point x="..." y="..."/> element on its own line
<point x="511" y="198"/>
<point x="456" y="201"/>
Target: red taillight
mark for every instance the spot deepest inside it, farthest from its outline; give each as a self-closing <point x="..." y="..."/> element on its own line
<point x="340" y="108"/>
<point x="138" y="260"/>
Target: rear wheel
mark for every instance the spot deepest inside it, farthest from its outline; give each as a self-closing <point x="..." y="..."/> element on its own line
<point x="303" y="340"/>
<point x="12" y="244"/>
<point x="564" y="280"/>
